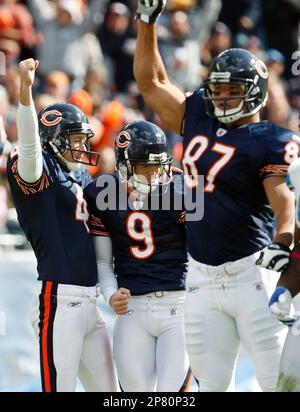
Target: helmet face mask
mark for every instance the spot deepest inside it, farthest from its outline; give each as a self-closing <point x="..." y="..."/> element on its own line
<point x="236" y="67"/>
<point x="145" y="182"/>
<point x="64" y="144"/>
<point x="142" y="159"/>
<point x="57" y="124"/>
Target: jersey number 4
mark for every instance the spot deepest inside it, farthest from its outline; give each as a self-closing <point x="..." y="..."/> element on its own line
<point x="144" y="234"/>
<point x="195" y="149"/>
<point x="81" y="211"/>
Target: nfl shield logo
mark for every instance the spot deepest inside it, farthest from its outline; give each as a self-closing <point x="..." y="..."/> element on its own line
<point x="221" y="132"/>
<point x="259" y="286"/>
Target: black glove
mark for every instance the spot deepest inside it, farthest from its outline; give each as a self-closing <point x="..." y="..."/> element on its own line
<point x="274" y="257"/>
<point x="149" y="10"/>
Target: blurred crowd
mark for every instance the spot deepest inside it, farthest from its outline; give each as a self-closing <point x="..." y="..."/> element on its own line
<point x="86" y="49"/>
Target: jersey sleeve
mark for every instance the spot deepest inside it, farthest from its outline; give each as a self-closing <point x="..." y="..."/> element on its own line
<point x="28" y="189"/>
<point x="282" y="148"/>
<point x="178" y="190"/>
<point x="30" y="162"/>
<point x="182" y="218"/>
<point x="96" y="220"/>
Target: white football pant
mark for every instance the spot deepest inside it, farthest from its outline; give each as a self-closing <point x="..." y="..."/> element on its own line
<point x="73" y="339"/>
<point x="149" y="344"/>
<point x="227" y="304"/>
<point x="289" y="373"/>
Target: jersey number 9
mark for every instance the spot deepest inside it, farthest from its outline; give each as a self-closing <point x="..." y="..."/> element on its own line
<point x="144" y="234"/>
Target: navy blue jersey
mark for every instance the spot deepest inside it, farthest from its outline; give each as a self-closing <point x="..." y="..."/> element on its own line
<point x="238" y="220"/>
<point x="149" y="246"/>
<point x="53" y="214"/>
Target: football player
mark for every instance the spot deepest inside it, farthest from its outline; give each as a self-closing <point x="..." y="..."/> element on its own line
<point x="281" y="302"/>
<point x="248" y="208"/>
<point x="142" y="261"/>
<point x="47" y="179"/>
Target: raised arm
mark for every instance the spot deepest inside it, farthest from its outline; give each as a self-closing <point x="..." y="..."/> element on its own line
<point x="95" y="15"/>
<point x="42" y="11"/>
<point x="30" y="161"/>
<point x="166" y="99"/>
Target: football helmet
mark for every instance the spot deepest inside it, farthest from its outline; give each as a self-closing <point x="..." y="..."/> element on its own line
<point x="56" y="123"/>
<point x="143" y="143"/>
<point x="239" y="67"/>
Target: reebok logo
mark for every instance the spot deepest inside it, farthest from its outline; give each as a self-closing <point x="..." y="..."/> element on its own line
<point x="74" y="304"/>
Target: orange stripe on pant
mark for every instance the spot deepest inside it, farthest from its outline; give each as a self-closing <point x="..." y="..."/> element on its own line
<point x="188" y="384"/>
<point x="187" y="381"/>
<point x="47" y="308"/>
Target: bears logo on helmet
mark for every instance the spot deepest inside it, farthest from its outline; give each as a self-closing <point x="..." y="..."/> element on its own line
<point x="55" y="120"/>
<point x="241" y="68"/>
<point x="123" y="139"/>
<point x="262" y="69"/>
<point x="143" y="143"/>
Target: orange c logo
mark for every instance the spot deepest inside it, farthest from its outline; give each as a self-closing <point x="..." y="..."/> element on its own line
<point x="262" y="69"/>
<point x="57" y="117"/>
<point x="123" y="139"/>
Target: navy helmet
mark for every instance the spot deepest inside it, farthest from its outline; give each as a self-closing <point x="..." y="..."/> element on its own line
<point x="237" y="66"/>
<point x="143" y="143"/>
<point x="57" y="122"/>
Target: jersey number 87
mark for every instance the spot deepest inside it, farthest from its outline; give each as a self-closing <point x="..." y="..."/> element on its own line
<point x="195" y="149"/>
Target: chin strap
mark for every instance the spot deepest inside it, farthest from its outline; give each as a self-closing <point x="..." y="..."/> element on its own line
<point x="144" y="188"/>
<point x="73" y="167"/>
<point x="229" y="115"/>
<point x="235" y="114"/>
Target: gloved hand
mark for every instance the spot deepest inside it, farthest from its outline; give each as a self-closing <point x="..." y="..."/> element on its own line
<point x="274" y="257"/>
<point x="280" y="306"/>
<point x="149" y="10"/>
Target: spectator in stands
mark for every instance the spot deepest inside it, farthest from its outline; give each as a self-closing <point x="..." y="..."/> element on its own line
<point x="278" y="109"/>
<point x="243" y="16"/>
<point x="16" y="27"/>
<point x="181" y="53"/>
<point x="281" y="19"/>
<point x="219" y="40"/>
<point x="67" y="46"/>
<point x="275" y="61"/>
<point x="57" y="85"/>
<point x="117" y="38"/>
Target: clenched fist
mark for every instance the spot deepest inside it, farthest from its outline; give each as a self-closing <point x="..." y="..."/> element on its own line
<point x="280" y="306"/>
<point x="119" y="301"/>
<point x="149" y="10"/>
<point x="27" y="70"/>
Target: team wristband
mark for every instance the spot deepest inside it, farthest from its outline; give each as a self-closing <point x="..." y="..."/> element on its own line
<point x="295" y="254"/>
